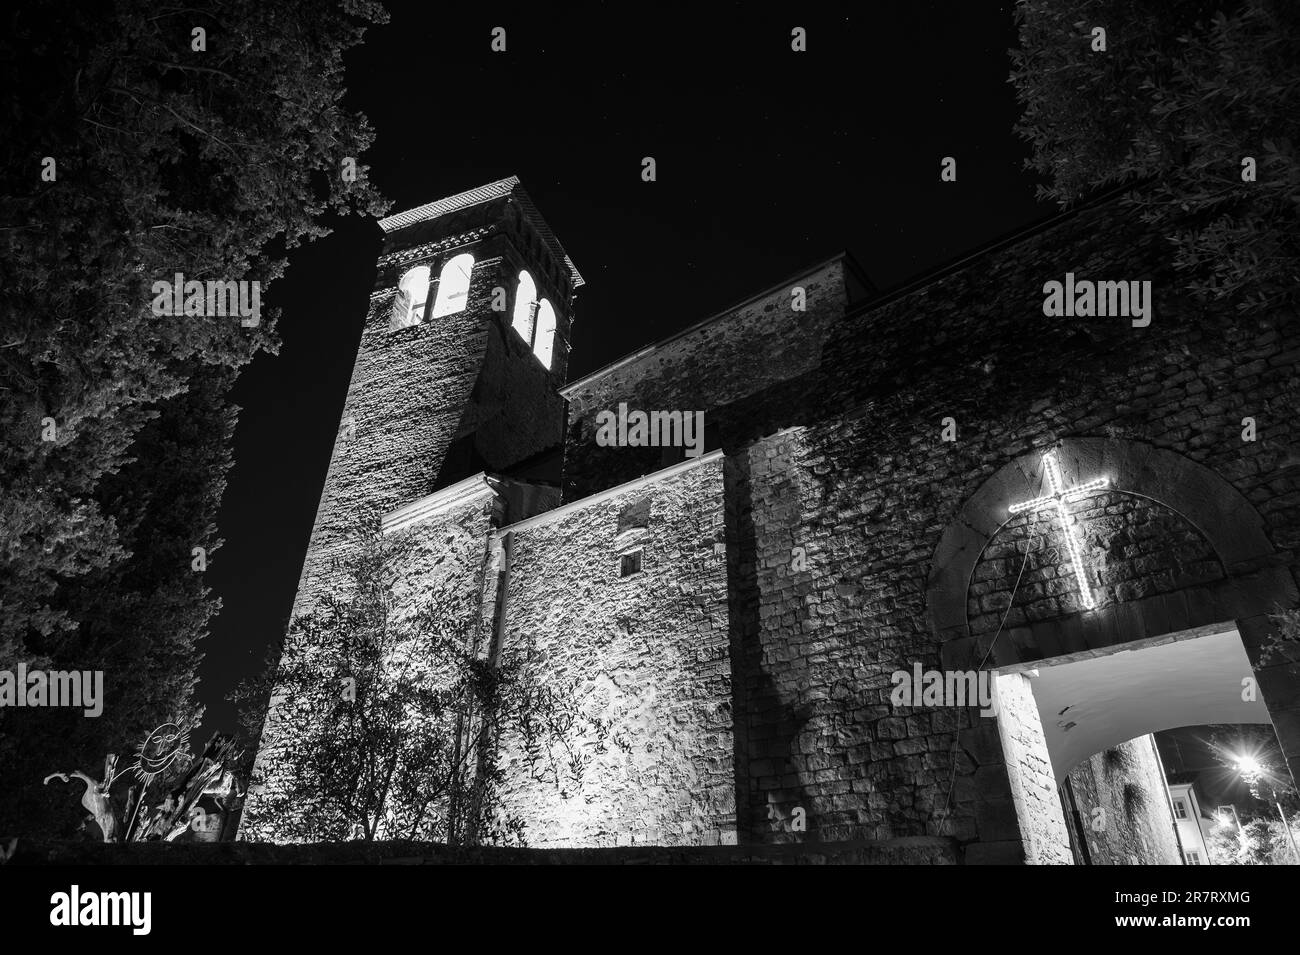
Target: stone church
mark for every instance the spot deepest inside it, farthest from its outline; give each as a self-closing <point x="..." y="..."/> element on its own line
<point x="1090" y="522"/>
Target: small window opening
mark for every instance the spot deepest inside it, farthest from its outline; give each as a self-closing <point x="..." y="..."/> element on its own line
<point x="629" y="564"/>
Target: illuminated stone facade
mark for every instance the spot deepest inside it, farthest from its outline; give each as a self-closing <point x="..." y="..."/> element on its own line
<point x="829" y="535"/>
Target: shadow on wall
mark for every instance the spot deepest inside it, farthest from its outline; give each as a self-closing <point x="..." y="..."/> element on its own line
<point x="766" y="728"/>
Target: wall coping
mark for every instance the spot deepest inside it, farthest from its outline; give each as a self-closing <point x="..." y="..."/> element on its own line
<point x="653" y="477"/>
<point x="439" y="502"/>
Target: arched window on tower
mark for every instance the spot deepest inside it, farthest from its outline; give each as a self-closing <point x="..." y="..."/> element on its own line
<point x="412" y="296"/>
<point x="544" y="343"/>
<point x="525" y="306"/>
<point x="453" y="285"/>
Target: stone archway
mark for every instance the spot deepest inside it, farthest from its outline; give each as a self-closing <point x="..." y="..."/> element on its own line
<point x="1250" y="581"/>
<point x="1220" y="513"/>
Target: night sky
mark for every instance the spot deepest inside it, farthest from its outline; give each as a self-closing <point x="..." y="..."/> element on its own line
<point x="768" y="161"/>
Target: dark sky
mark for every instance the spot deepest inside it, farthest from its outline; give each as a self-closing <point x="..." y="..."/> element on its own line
<point x="768" y="161"/>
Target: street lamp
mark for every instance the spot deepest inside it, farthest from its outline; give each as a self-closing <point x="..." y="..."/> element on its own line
<point x="1227" y="814"/>
<point x="1252" y="770"/>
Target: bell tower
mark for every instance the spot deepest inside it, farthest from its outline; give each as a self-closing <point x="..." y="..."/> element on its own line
<point x="464" y="350"/>
<point x="465" y="347"/>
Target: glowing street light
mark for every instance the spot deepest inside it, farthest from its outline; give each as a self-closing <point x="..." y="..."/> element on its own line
<point x="1227" y="815"/>
<point x="1249" y="767"/>
<point x="1252" y="770"/>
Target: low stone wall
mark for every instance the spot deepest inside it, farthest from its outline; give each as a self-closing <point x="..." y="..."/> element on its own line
<point x="910" y="851"/>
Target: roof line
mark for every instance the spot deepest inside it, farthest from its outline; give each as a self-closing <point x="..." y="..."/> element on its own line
<point x="925" y="278"/>
<point x="454" y="203"/>
<point x="996" y="244"/>
<point x="735" y="306"/>
<point x="508" y="187"/>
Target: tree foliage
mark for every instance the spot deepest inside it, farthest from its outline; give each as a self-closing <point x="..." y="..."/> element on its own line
<point x="1260" y="839"/>
<point x="138" y="618"/>
<point x="1183" y="92"/>
<point x="131" y="155"/>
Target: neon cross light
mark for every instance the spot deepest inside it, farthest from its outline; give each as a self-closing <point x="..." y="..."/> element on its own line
<point x="1058" y="499"/>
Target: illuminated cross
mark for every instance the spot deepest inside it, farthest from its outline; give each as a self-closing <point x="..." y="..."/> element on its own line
<point x="1058" y="499"/>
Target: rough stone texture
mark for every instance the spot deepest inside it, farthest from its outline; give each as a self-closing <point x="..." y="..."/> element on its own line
<point x="1029" y="772"/>
<point x="647" y="652"/>
<point x="758" y="344"/>
<point x="441" y="559"/>
<point x="852" y="530"/>
<point x="1133" y="546"/>
<point x="1135" y="825"/>
<point x="870" y="487"/>
<point x="416" y="390"/>
<point x="1189" y="495"/>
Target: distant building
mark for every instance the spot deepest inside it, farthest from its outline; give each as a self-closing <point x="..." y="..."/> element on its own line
<point x="1190" y="816"/>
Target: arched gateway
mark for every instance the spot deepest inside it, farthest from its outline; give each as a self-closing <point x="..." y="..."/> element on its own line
<point x="1137" y="602"/>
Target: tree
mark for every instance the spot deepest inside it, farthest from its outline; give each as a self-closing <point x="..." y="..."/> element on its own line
<point x="1184" y="92"/>
<point x="139" y="617"/>
<point x="1259" y="841"/>
<point x="389" y="718"/>
<point x="1226" y="843"/>
<point x="1255" y="836"/>
<point x="1283" y="642"/>
<point x="140" y="142"/>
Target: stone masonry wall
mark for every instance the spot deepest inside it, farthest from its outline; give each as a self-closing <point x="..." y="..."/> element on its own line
<point x="404" y="404"/>
<point x="1135" y="825"/>
<point x="400" y="415"/>
<point x="891" y="484"/>
<point x="413" y="391"/>
<point x="807" y="744"/>
<point x="516" y="411"/>
<point x="870" y="486"/>
<point x="724" y="360"/>
<point x="648" y="653"/>
<point x="835" y="493"/>
<point x="1029" y="769"/>
<point x="1136" y="547"/>
<point x="439" y="562"/>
